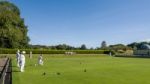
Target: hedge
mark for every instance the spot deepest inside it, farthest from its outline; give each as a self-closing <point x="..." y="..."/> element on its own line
<point x="38" y="51"/>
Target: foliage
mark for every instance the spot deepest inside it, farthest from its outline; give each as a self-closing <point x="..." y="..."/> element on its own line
<point x="103" y="45"/>
<point x="83" y="47"/>
<point x="46" y="51"/>
<point x="137" y="45"/>
<point x="13" y="31"/>
<point x="119" y="47"/>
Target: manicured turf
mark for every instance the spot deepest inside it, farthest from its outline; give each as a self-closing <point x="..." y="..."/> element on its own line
<point x="84" y="69"/>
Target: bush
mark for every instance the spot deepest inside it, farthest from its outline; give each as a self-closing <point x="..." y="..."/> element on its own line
<point x="38" y="51"/>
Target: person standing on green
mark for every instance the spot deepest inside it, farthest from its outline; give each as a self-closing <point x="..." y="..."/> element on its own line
<point x="18" y="57"/>
<point x="22" y="61"/>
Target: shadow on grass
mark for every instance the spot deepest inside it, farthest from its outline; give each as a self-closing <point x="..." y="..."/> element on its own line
<point x="15" y="71"/>
<point x="14" y="66"/>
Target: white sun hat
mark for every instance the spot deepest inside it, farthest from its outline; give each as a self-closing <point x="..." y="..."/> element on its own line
<point x="23" y="52"/>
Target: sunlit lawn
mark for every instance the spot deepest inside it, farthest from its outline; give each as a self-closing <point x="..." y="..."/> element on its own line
<point x="83" y="69"/>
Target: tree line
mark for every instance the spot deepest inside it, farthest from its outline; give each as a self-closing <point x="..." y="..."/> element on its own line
<point x="103" y="46"/>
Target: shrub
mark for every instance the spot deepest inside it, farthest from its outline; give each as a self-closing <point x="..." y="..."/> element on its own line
<point x="46" y="51"/>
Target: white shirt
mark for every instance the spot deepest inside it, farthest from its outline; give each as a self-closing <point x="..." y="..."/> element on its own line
<point x="22" y="57"/>
<point x="18" y="55"/>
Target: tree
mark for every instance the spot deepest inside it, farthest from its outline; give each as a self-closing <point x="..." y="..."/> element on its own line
<point x="133" y="45"/>
<point x="117" y="47"/>
<point x="83" y="47"/>
<point x="138" y="45"/>
<point x="13" y="31"/>
<point x="61" y="47"/>
<point x="103" y="45"/>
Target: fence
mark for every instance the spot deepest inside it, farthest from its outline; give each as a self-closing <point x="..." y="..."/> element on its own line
<point x="6" y="75"/>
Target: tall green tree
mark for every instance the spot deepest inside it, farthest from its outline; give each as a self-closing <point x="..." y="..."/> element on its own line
<point x="13" y="31"/>
<point x="103" y="45"/>
<point x="83" y="47"/>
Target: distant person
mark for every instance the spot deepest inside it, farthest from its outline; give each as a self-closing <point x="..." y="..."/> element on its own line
<point x="30" y="55"/>
<point x="40" y="60"/>
<point x="110" y="53"/>
<point x="22" y="61"/>
<point x="18" y="57"/>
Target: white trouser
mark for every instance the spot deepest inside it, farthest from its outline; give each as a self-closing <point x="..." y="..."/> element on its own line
<point x="40" y="62"/>
<point x="18" y="62"/>
<point x="22" y="64"/>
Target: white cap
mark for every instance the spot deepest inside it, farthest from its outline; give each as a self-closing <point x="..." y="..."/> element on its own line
<point x="23" y="52"/>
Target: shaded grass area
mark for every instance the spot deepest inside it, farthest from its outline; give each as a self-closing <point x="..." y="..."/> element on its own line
<point x="83" y="69"/>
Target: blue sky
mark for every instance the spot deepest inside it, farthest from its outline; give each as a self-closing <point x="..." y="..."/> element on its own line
<point x="89" y="22"/>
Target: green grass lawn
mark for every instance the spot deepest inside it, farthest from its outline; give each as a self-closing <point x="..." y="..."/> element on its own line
<point x="83" y="69"/>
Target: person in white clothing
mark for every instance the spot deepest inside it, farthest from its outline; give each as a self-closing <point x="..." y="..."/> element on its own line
<point x="18" y="57"/>
<point x="40" y="60"/>
<point x="22" y="61"/>
<point x="30" y="55"/>
<point x="110" y="54"/>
